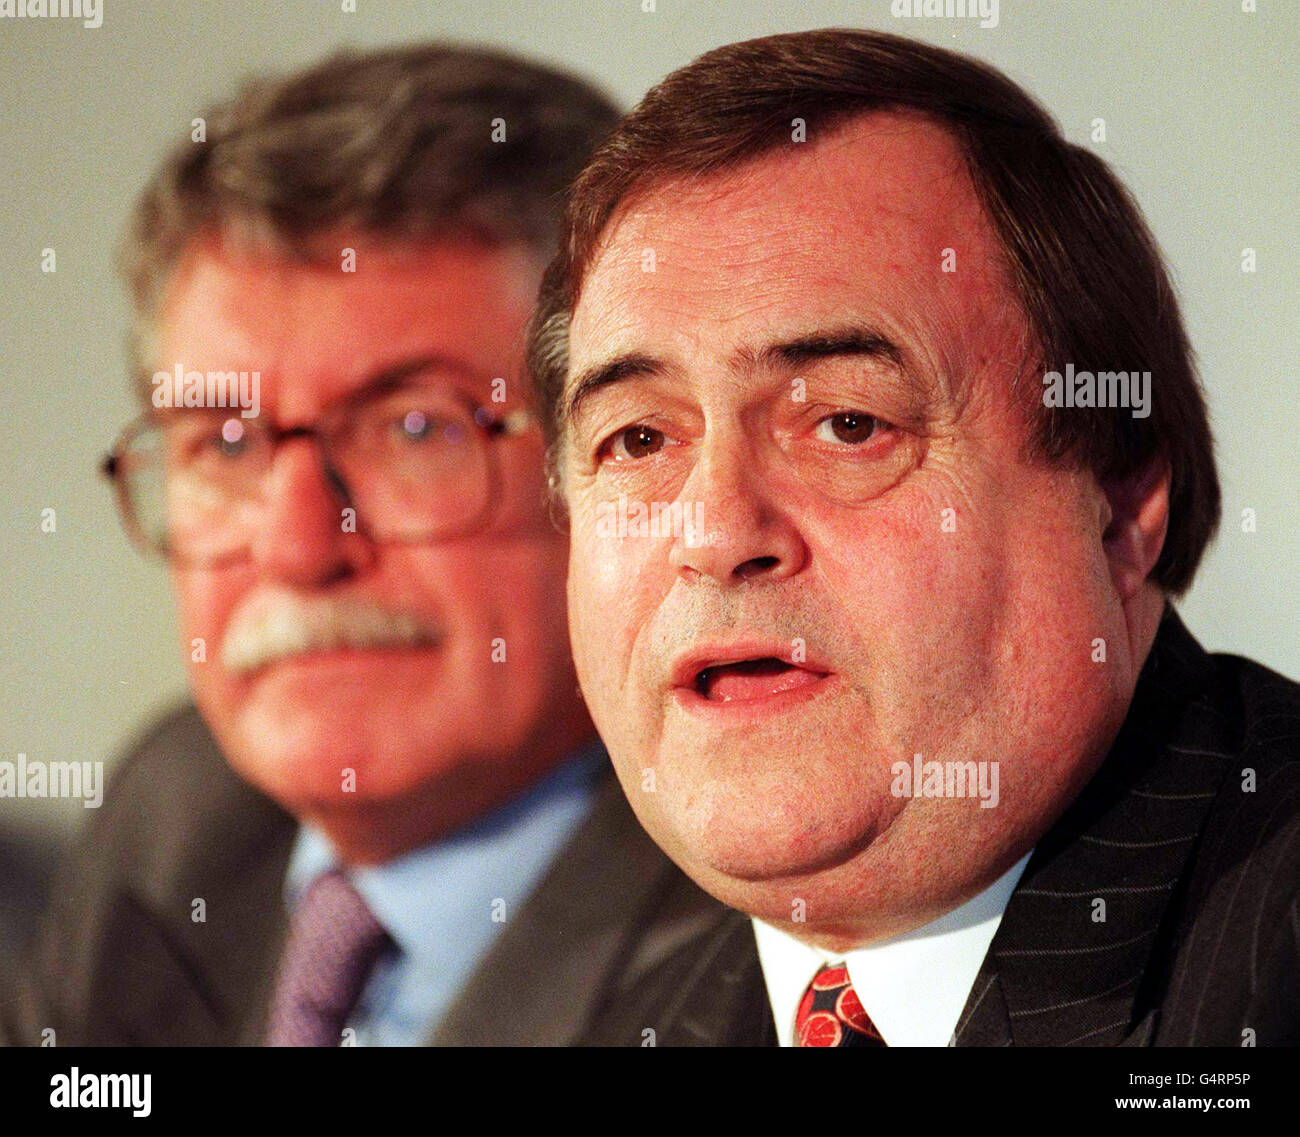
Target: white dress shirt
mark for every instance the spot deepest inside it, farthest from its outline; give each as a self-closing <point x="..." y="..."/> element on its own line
<point x="914" y="986"/>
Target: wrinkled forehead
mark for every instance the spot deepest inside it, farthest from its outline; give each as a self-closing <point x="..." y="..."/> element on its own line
<point x="878" y="222"/>
<point x="889" y="159"/>
<point x="317" y="329"/>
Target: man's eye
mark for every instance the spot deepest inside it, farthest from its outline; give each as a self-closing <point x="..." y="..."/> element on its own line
<point x="634" y="442"/>
<point x="422" y="426"/>
<point x="232" y="440"/>
<point x="207" y="442"/>
<point x="849" y="427"/>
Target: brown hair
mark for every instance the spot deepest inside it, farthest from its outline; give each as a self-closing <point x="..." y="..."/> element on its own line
<point x="1084" y="264"/>
<point x="397" y="142"/>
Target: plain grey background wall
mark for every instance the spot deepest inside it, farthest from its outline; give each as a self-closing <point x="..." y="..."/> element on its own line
<point x="1199" y="101"/>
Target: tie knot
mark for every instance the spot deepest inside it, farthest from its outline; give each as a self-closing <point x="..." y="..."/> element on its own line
<point x="334" y="941"/>
<point x="830" y="1014"/>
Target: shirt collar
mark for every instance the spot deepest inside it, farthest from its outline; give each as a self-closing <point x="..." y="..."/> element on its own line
<point x="450" y="885"/>
<point x="914" y="986"/>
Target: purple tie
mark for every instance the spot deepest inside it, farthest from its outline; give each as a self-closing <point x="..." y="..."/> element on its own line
<point x="334" y="941"/>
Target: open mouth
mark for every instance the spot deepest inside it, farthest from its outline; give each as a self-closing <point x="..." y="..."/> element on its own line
<point x="748" y="680"/>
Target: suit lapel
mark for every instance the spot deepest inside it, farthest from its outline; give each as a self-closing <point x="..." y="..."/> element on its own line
<point x="542" y="978"/>
<point x="724" y="1000"/>
<point x="175" y="979"/>
<point x="984" y="1021"/>
<point x="1079" y="956"/>
<point x="693" y="980"/>
<point x="152" y="990"/>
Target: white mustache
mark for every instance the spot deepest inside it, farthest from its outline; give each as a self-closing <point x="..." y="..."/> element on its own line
<point x="279" y="624"/>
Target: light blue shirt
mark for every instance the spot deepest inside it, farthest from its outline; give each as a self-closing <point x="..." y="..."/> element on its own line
<point x="444" y="904"/>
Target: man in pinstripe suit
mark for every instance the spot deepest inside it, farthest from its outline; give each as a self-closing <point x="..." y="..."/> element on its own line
<point x="873" y="264"/>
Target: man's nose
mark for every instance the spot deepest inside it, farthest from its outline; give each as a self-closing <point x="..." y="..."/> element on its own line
<point x="745" y="532"/>
<point x="304" y="536"/>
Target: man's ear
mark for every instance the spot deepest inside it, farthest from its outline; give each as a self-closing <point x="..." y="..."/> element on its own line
<point x="557" y="509"/>
<point x="1139" y="518"/>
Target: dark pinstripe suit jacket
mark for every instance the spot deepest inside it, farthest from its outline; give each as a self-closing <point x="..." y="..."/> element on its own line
<point x="1190" y="833"/>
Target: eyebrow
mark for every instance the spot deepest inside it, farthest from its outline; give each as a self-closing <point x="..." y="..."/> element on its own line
<point x="396" y="374"/>
<point x="389" y="377"/>
<point x="829" y="343"/>
<point x="850" y="340"/>
<point x="633" y="365"/>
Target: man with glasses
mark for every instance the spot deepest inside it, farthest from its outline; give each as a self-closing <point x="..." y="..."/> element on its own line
<point x="413" y="835"/>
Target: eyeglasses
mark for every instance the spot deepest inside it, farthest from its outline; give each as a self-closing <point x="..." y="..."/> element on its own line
<point x="415" y="463"/>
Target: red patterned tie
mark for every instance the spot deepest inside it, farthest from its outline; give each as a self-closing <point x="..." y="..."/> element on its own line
<point x="830" y="1014"/>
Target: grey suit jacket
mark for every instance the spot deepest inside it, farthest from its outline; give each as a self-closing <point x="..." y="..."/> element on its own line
<point x="119" y="960"/>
